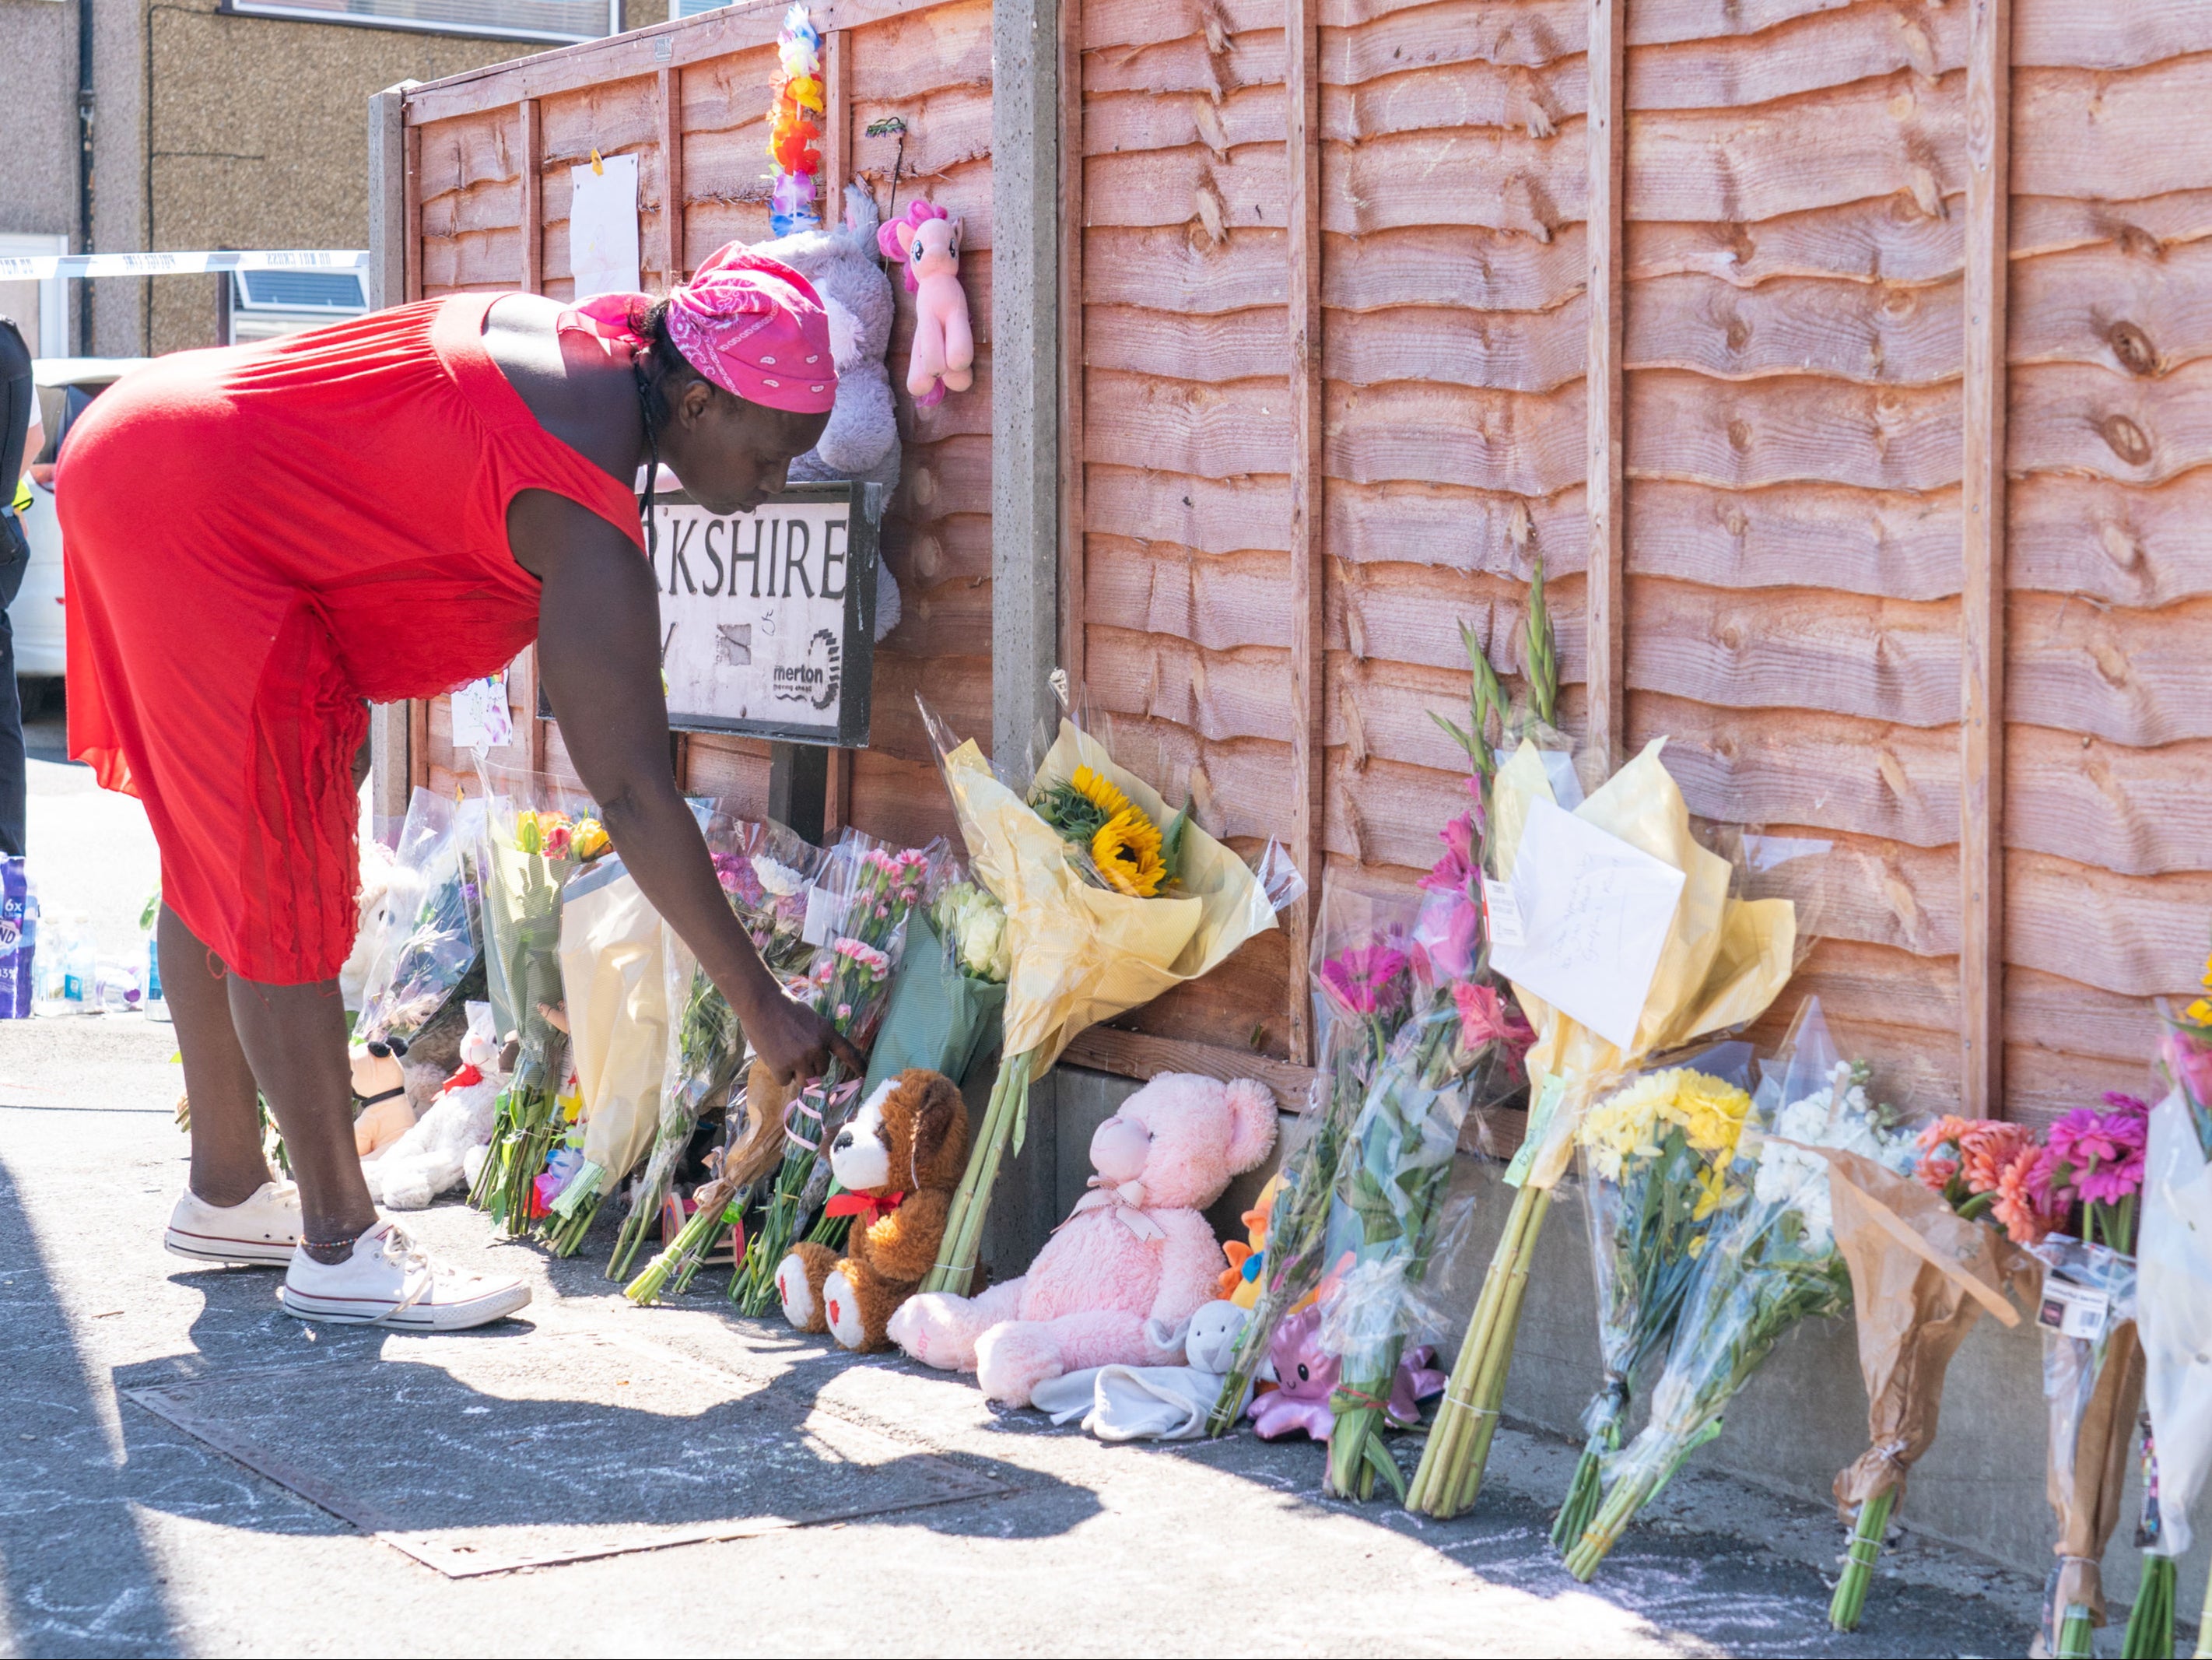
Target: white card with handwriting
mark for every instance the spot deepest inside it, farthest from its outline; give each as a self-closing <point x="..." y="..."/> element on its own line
<point x="1595" y="916"/>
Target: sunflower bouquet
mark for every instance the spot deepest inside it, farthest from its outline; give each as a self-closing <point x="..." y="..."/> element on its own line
<point x="1110" y="900"/>
<point x="1658" y="1166"/>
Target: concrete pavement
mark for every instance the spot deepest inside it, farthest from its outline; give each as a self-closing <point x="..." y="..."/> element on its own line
<point x="176" y="1457"/>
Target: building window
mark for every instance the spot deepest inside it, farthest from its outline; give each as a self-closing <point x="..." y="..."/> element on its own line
<point x="507" y="20"/>
<point x="265" y="304"/>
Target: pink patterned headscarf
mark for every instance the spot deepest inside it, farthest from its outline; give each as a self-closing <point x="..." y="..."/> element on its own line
<point x="752" y="326"/>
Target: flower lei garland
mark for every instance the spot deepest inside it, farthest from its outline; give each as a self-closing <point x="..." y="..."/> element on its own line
<point x="796" y="128"/>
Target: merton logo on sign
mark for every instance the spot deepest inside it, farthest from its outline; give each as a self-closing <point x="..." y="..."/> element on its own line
<point x="768" y="618"/>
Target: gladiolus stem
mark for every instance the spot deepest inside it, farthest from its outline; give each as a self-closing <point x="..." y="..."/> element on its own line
<point x="1866" y="1534"/>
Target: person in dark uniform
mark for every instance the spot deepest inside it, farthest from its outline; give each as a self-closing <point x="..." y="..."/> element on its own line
<point x="18" y="405"/>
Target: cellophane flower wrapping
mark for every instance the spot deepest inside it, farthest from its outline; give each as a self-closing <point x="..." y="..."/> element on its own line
<point x="1658" y="1161"/>
<point x="1081" y="949"/>
<point x="1360" y="974"/>
<point x="766" y="870"/>
<point x="2092" y="1388"/>
<point x="1773" y="1263"/>
<point x="1459" y="1052"/>
<point x="949" y="998"/>
<point x="537" y="834"/>
<point x="868" y="893"/>
<point x="2174" y="1316"/>
<point x="431" y="932"/>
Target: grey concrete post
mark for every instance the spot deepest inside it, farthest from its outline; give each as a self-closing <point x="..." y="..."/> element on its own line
<point x="387" y="286"/>
<point x="1026" y="371"/>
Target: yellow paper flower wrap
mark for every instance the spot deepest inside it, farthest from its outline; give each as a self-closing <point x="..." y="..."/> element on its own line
<point x="1081" y="954"/>
<point x="1724" y="961"/>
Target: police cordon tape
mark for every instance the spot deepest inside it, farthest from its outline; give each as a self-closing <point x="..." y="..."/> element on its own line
<point x="38" y="267"/>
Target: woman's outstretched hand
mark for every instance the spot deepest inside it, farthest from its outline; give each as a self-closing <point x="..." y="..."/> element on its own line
<point x="793" y="1041"/>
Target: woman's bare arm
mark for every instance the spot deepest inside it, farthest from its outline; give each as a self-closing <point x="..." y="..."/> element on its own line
<point x="598" y="653"/>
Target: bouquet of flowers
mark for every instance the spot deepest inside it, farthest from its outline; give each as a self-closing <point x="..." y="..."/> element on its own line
<point x="2174" y="1319"/>
<point x="1927" y="1256"/>
<point x="877" y="892"/>
<point x="1657" y="1158"/>
<point x="1361" y="998"/>
<point x="1772" y="1263"/>
<point x="2087" y="1178"/>
<point x="431" y="932"/>
<point x="766" y="871"/>
<point x="949" y="998"/>
<point x="866" y="893"/>
<point x="2186" y="1055"/>
<point x="530" y="852"/>
<point x="613" y="947"/>
<point x="1460" y="1049"/>
<point x="1110" y="900"/>
<point x="1723" y="961"/>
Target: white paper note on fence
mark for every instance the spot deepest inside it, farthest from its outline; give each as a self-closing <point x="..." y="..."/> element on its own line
<point x="482" y="719"/>
<point x="603" y="227"/>
<point x="1594" y="916"/>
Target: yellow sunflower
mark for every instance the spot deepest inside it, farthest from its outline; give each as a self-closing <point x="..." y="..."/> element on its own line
<point x="1127" y="850"/>
<point x="1100" y="793"/>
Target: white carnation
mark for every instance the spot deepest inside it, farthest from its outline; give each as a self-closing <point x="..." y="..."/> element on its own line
<point x="779" y="881"/>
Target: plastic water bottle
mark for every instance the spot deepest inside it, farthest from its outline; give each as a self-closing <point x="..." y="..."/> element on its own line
<point x="116" y="989"/>
<point x="59" y="991"/>
<point x="156" y="1005"/>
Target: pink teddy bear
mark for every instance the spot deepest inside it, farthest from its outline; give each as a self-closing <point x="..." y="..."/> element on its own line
<point x="926" y="240"/>
<point x="1118" y="1280"/>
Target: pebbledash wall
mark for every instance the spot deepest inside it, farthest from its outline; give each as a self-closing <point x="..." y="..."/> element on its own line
<point x="1847" y="364"/>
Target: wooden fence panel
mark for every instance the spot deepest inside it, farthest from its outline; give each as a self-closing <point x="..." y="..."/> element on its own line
<point x="2109" y="864"/>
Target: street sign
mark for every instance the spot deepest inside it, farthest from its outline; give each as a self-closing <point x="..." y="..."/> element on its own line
<point x="767" y="618"/>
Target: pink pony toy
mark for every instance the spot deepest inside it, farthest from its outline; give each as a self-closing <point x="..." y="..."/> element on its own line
<point x="926" y="242"/>
<point x="1306" y="1375"/>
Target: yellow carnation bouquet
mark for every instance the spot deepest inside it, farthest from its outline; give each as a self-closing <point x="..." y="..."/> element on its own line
<point x="1110" y="900"/>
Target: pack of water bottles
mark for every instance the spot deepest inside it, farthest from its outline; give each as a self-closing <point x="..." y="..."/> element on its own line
<point x="49" y="963"/>
<point x="19" y="938"/>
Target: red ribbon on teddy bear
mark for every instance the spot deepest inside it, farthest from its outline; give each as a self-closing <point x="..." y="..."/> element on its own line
<point x="872" y="1206"/>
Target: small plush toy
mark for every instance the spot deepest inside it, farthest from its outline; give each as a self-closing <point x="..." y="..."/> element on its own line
<point x="1306" y="1375"/>
<point x="1119" y="1280"/>
<point x="381" y="1088"/>
<point x="1241" y="1283"/>
<point x="899" y="1159"/>
<point x="926" y="240"/>
<point x="433" y="1157"/>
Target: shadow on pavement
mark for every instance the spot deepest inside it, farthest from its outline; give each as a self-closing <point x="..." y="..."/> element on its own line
<point x="516" y="1444"/>
<point x="74" y="1571"/>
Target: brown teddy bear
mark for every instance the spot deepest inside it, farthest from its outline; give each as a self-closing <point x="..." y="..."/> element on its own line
<point x="899" y="1159"/>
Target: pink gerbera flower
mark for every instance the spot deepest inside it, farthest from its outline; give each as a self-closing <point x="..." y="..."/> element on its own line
<point x="1366" y="979"/>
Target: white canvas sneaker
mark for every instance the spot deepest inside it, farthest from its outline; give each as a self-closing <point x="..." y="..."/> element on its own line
<point x="389" y="1280"/>
<point x="259" y="1231"/>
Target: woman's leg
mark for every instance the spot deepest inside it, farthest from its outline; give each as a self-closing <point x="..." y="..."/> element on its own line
<point x="226" y="1161"/>
<point x="232" y="1031"/>
<point x="295" y="1038"/>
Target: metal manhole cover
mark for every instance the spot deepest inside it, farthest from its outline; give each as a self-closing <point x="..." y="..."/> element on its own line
<point x="479" y="1456"/>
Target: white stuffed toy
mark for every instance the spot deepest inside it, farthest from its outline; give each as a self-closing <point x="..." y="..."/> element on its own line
<point x="1152" y="1403"/>
<point x="861" y="440"/>
<point x="437" y="1157"/>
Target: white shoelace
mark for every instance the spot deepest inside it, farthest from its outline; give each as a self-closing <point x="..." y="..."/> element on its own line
<point x="417" y="1273"/>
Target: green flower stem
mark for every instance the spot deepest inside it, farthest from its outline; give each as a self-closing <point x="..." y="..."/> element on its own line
<point x="1583" y="1491"/>
<point x="1450" y="1474"/>
<point x="955" y="1269"/>
<point x="1865" y="1548"/>
<point x="2077" y="1636"/>
<point x="2150" y="1622"/>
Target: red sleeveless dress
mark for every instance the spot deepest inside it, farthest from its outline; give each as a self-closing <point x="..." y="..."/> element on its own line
<point x="260" y="540"/>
